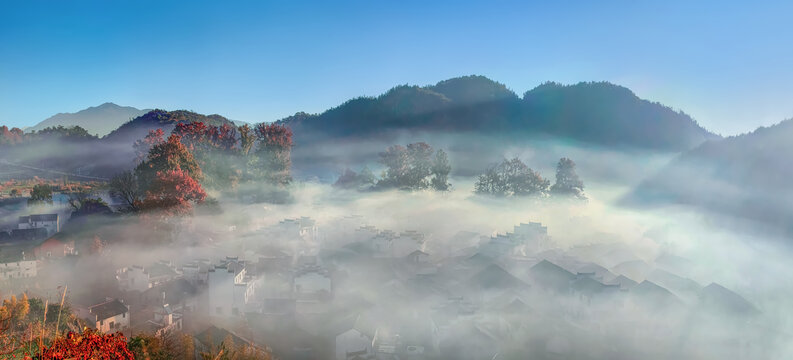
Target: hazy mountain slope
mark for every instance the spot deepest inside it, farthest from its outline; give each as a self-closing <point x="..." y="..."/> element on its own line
<point x="88" y="156"/>
<point x="138" y="127"/>
<point x="747" y="176"/>
<point x="598" y="113"/>
<point x="608" y="114"/>
<point x="98" y="120"/>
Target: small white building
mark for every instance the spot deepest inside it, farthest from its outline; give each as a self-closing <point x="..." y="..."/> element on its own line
<point x="312" y="282"/>
<point x="138" y="278"/>
<point x="18" y="269"/>
<point x="107" y="317"/>
<point x="230" y="289"/>
<point x="353" y="344"/>
<point x="196" y="272"/>
<point x="165" y="321"/>
<point x="40" y="221"/>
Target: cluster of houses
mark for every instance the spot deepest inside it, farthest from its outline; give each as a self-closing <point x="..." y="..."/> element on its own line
<point x="32" y="240"/>
<point x="354" y="292"/>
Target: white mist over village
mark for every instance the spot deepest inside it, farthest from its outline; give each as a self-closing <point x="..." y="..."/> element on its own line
<point x="467" y="182"/>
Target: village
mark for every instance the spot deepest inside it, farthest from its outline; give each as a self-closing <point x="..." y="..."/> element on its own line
<point x="347" y="290"/>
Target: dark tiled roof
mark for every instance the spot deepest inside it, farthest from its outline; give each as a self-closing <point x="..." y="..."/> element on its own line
<point x="108" y="309"/>
<point x="28" y="234"/>
<point x="157" y="270"/>
<point x="38" y="217"/>
<point x="494" y="277"/>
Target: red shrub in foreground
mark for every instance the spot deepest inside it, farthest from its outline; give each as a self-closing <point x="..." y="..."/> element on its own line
<point x="88" y="345"/>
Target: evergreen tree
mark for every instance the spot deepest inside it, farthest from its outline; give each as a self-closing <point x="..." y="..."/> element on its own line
<point x="440" y="171"/>
<point x="567" y="181"/>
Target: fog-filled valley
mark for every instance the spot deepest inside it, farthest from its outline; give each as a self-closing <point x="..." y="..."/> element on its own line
<point x="520" y="231"/>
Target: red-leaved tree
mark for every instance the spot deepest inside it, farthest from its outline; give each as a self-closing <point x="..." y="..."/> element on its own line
<point x="173" y="192"/>
<point x="143" y="146"/>
<point x="274" y="152"/>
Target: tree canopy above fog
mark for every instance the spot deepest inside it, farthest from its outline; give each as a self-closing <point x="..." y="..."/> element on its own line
<point x="514" y="178"/>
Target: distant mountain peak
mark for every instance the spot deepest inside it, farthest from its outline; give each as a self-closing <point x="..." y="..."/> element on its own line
<point x="100" y="119"/>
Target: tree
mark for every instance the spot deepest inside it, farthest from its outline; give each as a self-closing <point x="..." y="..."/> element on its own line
<point x="397" y="163"/>
<point x="41" y="193"/>
<point x="170" y="346"/>
<point x="173" y="192"/>
<point x="366" y="177"/>
<point x="522" y="181"/>
<point x="567" y="181"/>
<point x="143" y="146"/>
<point x="11" y="137"/>
<point x="511" y="178"/>
<point x="274" y="153"/>
<point x="247" y="139"/>
<point x="419" y="155"/>
<point x="15" y="309"/>
<point x="167" y="156"/>
<point x="76" y="199"/>
<point x="125" y="186"/>
<point x="14" y="192"/>
<point x="440" y="171"/>
<point x="351" y="180"/>
<point x="410" y="167"/>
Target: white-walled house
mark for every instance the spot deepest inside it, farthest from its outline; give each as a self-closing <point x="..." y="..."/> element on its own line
<point x="165" y="321"/>
<point x="107" y="317"/>
<point x="51" y="222"/>
<point x="230" y="289"/>
<point x="312" y="283"/>
<point x="196" y="272"/>
<point x="18" y="269"/>
<point x="138" y="278"/>
<point x="353" y="344"/>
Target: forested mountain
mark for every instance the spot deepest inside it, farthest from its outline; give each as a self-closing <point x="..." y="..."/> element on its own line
<point x="138" y="127"/>
<point x="747" y="176"/>
<point x="71" y="150"/>
<point x="598" y="113"/>
<point x="608" y="114"/>
<point x="98" y="120"/>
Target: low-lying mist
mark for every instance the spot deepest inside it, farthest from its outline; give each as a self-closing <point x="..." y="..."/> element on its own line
<point x="608" y="282"/>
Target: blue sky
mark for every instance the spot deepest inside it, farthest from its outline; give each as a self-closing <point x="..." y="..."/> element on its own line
<point x="726" y="64"/>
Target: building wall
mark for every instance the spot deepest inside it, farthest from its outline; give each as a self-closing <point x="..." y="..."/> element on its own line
<point x="352" y="341"/>
<point x="51" y="226"/>
<point x="18" y="269"/>
<point x="136" y="280"/>
<point x="220" y="284"/>
<point x="113" y="324"/>
<point x="312" y="283"/>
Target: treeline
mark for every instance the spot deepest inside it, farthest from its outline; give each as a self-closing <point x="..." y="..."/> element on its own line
<point x="16" y="136"/>
<point x="593" y="112"/>
<point x="514" y="178"/>
<point x="416" y="166"/>
<point x="173" y="172"/>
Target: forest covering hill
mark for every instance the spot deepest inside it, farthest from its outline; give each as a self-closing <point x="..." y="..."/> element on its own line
<point x="595" y="112"/>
